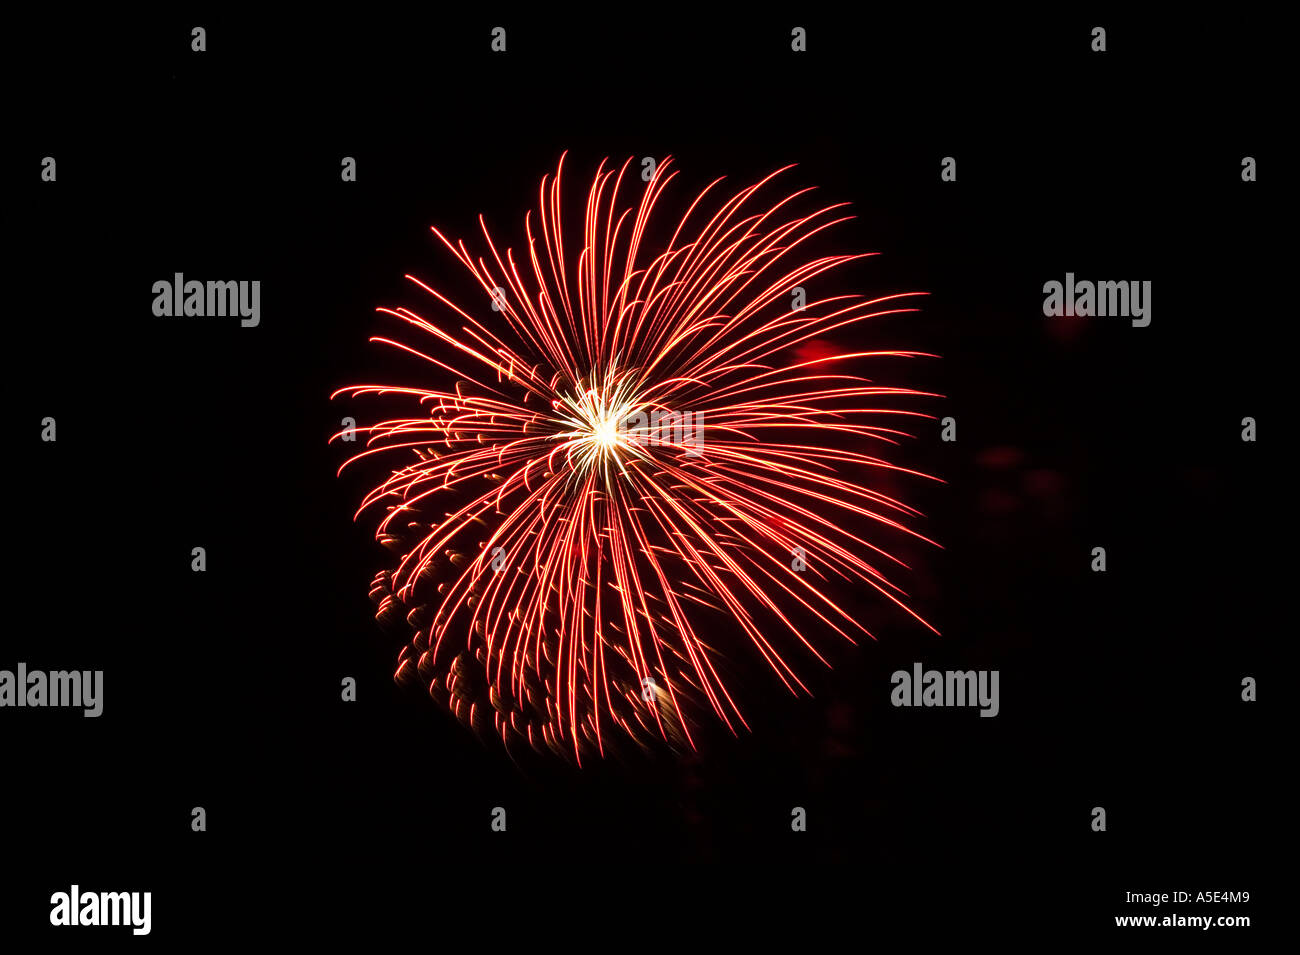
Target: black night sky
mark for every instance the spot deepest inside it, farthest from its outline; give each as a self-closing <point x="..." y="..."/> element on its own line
<point x="1120" y="689"/>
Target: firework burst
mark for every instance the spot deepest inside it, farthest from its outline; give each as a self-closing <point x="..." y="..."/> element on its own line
<point x="632" y="474"/>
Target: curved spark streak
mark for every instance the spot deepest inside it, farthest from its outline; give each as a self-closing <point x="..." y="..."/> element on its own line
<point x="600" y="557"/>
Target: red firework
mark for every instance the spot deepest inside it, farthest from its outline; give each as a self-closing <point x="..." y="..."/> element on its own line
<point x="633" y="448"/>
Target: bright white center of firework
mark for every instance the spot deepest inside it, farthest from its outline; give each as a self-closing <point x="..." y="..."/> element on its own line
<point x="593" y="424"/>
<point x="607" y="432"/>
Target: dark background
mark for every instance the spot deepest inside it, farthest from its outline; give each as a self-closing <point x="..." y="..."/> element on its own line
<point x="1119" y="690"/>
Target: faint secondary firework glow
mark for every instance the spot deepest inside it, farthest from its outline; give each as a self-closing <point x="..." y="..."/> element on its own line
<point x="569" y="583"/>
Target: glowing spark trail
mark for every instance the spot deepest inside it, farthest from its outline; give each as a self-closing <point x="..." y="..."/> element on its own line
<point x="597" y="513"/>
